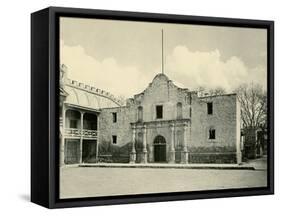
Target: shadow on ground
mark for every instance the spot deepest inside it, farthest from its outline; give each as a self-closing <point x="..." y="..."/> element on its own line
<point x="25" y="197"/>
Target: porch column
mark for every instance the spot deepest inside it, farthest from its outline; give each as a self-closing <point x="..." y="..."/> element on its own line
<point x="62" y="139"/>
<point x="81" y="137"/>
<point x="172" y="146"/>
<point x="133" y="152"/>
<point x="144" y="151"/>
<point x="97" y="145"/>
<point x="184" y="154"/>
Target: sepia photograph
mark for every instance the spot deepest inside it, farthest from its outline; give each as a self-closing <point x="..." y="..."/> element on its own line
<point x="148" y="107"/>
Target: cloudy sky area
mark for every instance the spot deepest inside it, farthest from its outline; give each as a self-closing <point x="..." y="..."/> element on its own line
<point x="123" y="57"/>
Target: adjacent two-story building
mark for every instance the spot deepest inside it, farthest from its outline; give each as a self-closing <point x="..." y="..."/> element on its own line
<point x="80" y="107"/>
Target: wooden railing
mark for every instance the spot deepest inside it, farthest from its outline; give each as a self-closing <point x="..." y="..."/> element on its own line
<point x="89" y="133"/>
<point x="74" y="132"/>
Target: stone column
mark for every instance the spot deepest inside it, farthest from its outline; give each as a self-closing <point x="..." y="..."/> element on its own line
<point x="62" y="139"/>
<point x="81" y="138"/>
<point x="172" y="145"/>
<point x="144" y="150"/>
<point x="133" y="152"/>
<point x="184" y="153"/>
<point x="150" y="153"/>
<point x="97" y="145"/>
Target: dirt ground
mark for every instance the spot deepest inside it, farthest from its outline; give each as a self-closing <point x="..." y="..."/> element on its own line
<point x="97" y="181"/>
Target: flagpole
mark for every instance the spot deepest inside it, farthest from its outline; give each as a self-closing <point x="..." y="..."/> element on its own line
<point x="162" y="50"/>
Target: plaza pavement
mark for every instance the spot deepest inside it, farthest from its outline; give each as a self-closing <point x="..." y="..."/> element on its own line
<point x="95" y="181"/>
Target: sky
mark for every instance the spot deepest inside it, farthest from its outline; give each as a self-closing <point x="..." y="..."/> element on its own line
<point x="123" y="57"/>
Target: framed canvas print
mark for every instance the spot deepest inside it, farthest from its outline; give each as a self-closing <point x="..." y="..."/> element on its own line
<point x="139" y="107"/>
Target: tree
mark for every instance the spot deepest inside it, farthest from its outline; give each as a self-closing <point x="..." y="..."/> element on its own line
<point x="253" y="101"/>
<point x="210" y="91"/>
<point x="217" y="91"/>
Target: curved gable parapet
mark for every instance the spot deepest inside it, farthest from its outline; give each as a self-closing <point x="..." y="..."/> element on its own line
<point x="163" y="80"/>
<point x="160" y="78"/>
<point x="161" y="89"/>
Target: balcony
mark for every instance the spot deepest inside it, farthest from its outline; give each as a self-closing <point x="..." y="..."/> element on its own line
<point x="89" y="133"/>
<point x="84" y="133"/>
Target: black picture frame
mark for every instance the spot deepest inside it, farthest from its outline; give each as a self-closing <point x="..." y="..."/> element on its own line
<point x="45" y="104"/>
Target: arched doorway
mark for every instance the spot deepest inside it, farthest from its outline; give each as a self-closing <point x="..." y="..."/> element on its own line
<point x="159" y="149"/>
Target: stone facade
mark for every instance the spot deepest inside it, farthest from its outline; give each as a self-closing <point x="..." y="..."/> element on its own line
<point x="166" y="123"/>
<point x="225" y="120"/>
<point x="121" y="128"/>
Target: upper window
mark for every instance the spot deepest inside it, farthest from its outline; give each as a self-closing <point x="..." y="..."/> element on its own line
<point x="140" y="113"/>
<point x="212" y="133"/>
<point x="210" y="108"/>
<point x="114" y="117"/>
<point x="179" y="110"/>
<point x="159" y="111"/>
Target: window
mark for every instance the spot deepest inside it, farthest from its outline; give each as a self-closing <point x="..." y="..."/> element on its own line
<point x="159" y="111"/>
<point x="73" y="123"/>
<point x="140" y="114"/>
<point x="212" y="133"/>
<point x="114" y="139"/>
<point x="179" y="110"/>
<point x="114" y="117"/>
<point x="210" y="108"/>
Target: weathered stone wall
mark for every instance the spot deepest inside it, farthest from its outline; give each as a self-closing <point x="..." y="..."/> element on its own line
<point x="224" y="120"/>
<point x="121" y="128"/>
<point x="160" y="92"/>
<point x="163" y="92"/>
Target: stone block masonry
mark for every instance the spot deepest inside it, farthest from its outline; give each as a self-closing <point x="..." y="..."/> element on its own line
<point x="165" y="123"/>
